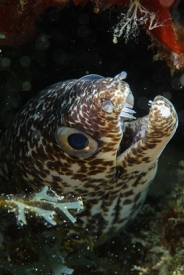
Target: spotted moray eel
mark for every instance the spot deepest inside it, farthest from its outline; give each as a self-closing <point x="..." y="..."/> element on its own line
<point x="80" y="138"/>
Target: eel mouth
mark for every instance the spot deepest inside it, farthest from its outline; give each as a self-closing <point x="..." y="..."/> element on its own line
<point x="133" y="129"/>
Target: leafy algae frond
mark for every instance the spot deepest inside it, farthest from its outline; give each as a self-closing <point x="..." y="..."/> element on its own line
<point x="42" y="205"/>
<point x="130" y="21"/>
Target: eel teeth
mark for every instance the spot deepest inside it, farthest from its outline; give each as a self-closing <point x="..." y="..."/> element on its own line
<point x="127" y="112"/>
<point x="150" y="102"/>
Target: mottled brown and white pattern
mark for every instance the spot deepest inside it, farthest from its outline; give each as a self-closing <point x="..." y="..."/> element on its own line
<point x="80" y="138"/>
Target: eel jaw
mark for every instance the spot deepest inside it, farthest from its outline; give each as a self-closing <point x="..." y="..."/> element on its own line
<point x="152" y="131"/>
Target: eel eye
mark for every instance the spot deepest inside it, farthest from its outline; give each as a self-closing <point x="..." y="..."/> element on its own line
<point x="78" y="141"/>
<point x="75" y="142"/>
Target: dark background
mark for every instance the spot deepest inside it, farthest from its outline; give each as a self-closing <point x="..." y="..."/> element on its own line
<point x="74" y="42"/>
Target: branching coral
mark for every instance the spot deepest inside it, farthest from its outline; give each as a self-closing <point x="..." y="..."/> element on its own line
<point x="39" y="204"/>
<point x="43" y="204"/>
<point x="131" y="20"/>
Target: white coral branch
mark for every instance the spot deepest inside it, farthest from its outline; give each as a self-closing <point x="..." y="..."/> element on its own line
<point x="48" y="215"/>
<point x="43" y="198"/>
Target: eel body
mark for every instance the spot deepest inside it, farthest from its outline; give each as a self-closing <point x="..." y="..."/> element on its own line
<point x="80" y="138"/>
